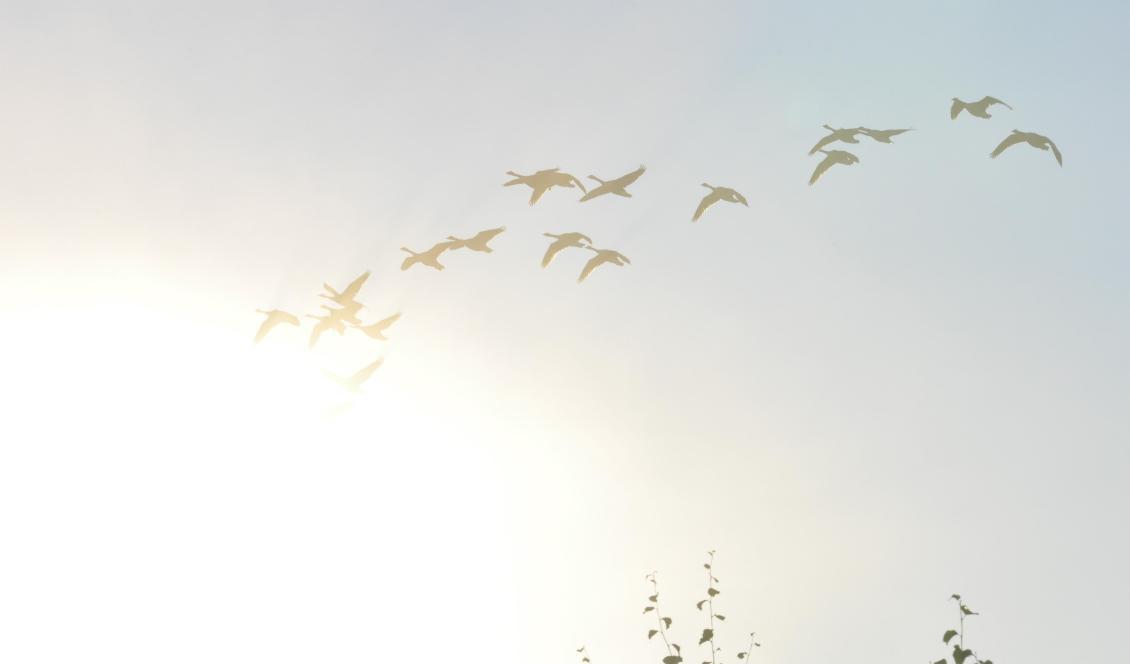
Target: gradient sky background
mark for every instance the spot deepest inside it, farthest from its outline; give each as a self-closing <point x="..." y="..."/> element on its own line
<point x="906" y="381"/>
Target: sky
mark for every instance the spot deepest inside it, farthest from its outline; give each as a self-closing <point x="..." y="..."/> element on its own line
<point x="906" y="381"/>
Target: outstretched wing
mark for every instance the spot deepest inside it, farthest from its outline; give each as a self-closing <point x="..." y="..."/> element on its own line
<point x="574" y="180"/>
<point x="363" y="375"/>
<point x="956" y="108"/>
<point x="593" y="263"/>
<point x="552" y="251"/>
<point x="1009" y="141"/>
<point x="536" y="195"/>
<point x="264" y="328"/>
<point x="830" y="138"/>
<point x="488" y="234"/>
<point x="994" y="100"/>
<point x="354" y="287"/>
<point x="625" y="180"/>
<point x="1055" y="151"/>
<point x="820" y="168"/>
<point x="707" y="201"/>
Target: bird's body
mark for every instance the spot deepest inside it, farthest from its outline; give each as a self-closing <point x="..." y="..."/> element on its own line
<point x="1035" y="140"/>
<point x="478" y="242"/>
<point x="563" y="241"/>
<point x="883" y="135"/>
<point x="846" y="134"/>
<point x="376" y="330"/>
<point x="602" y="256"/>
<point x="345" y="296"/>
<point x="979" y="108"/>
<point x="543" y="181"/>
<point x="718" y="194"/>
<point x="347" y="313"/>
<point x="429" y="257"/>
<point x="331" y="321"/>
<point x="354" y="382"/>
<point x="275" y="317"/>
<point x="617" y="186"/>
<point x="833" y="157"/>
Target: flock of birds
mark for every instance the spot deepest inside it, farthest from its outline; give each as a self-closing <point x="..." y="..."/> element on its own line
<point x="344" y="314"/>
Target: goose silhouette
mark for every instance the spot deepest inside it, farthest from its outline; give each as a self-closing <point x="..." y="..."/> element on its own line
<point x="717" y="194"/>
<point x="1035" y="140"/>
<point x="543" y="181"/>
<point x="275" y="317"/>
<point x="979" y="108"/>
<point x="884" y="135"/>
<point x="834" y="157"/>
<point x="376" y="330"/>
<point x="478" y="242"/>
<point x="332" y="321"/>
<point x="617" y="186"/>
<point x="602" y="256"/>
<point x="429" y="257"/>
<point x="561" y="242"/>
<point x="354" y="382"/>
<point x="346" y="313"/>
<point x="847" y="135"/>
<point x="346" y="295"/>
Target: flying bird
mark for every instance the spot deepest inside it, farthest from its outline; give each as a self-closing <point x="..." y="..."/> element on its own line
<point x="718" y="194"/>
<point x="354" y="382"/>
<point x="1035" y="140"/>
<point x="884" y="135"/>
<point x="978" y="108"/>
<point x="332" y="321"/>
<point x="376" y="330"/>
<point x="274" y="317"/>
<point x="602" y="256"/>
<point x="478" y="242"/>
<point x="617" y="186"/>
<point x="543" y="181"/>
<point x="347" y="313"/>
<point x="563" y="241"/>
<point x="847" y="135"/>
<point x="429" y="257"/>
<point x="834" y="157"/>
<point x="346" y="296"/>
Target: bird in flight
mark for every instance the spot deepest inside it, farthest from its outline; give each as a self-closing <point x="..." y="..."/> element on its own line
<point x="979" y="108"/>
<point x="1035" y="140"/>
<point x="347" y="313"/>
<point x="847" y="135"/>
<point x="376" y="330"/>
<point x="834" y="157"/>
<point x="602" y="256"/>
<point x="884" y="135"/>
<point x="478" y="242"/>
<point x="331" y="321"/>
<point x="354" y="382"/>
<point x="429" y="257"/>
<point x="346" y="296"/>
<point x="718" y="194"/>
<point x="617" y="186"/>
<point x="543" y="181"/>
<point x="274" y="317"/>
<point x="563" y="241"/>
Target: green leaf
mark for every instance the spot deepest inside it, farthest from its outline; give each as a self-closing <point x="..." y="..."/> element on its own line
<point x="585" y="659"/>
<point x="712" y="591"/>
<point x="967" y="611"/>
<point x="672" y="659"/>
<point x="986" y="661"/>
<point x="667" y="623"/>
<point x="707" y="635"/>
<point x="950" y="633"/>
<point x="677" y="648"/>
<point x="757" y="645"/>
<point x="742" y="655"/>
<point x="719" y="616"/>
<point x="581" y="649"/>
<point x="652" y="632"/>
<point x="648" y="608"/>
<point x="699" y="605"/>
<point x="706" y="565"/>
<point x="653" y="598"/>
<point x="941" y="661"/>
<point x="955" y="596"/>
<point x="959" y="655"/>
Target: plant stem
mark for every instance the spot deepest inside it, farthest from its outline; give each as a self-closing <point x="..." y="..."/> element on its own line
<point x="710" y="603"/>
<point x="658" y="618"/>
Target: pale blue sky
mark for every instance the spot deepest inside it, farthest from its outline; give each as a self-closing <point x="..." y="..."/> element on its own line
<point x="908" y="380"/>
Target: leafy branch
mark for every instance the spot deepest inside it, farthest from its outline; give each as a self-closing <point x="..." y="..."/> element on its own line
<point x="960" y="653"/>
<point x="674" y="652"/>
<point x="711" y="593"/>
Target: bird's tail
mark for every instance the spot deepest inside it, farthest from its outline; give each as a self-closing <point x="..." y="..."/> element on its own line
<point x="708" y="186"/>
<point x="517" y="179"/>
<point x="409" y="251"/>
